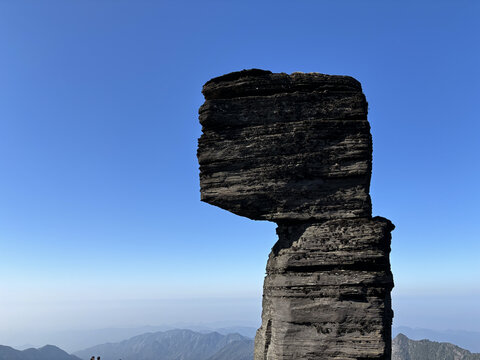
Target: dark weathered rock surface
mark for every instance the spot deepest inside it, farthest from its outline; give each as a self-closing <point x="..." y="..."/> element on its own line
<point x="285" y="147"/>
<point x="296" y="149"/>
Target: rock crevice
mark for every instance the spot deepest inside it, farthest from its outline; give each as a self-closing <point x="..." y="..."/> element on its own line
<point x="296" y="149"/>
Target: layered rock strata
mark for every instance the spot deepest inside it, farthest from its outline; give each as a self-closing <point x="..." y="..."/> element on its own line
<point x="296" y="149"/>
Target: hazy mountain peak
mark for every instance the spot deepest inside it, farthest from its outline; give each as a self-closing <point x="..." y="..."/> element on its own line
<point x="469" y="340"/>
<point x="47" y="352"/>
<point x="405" y="349"/>
<point x="401" y="338"/>
<point x="173" y="345"/>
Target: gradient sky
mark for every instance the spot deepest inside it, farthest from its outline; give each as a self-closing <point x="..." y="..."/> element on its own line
<point x="99" y="191"/>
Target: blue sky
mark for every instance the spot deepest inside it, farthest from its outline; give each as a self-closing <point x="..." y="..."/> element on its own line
<point x="99" y="190"/>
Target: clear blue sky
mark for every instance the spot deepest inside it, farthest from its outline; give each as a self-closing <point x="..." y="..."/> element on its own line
<point x="99" y="190"/>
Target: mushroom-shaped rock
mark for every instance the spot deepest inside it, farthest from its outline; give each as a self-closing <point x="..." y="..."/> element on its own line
<point x="296" y="149"/>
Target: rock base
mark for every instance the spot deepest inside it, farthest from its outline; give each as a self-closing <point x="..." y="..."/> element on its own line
<point x="327" y="292"/>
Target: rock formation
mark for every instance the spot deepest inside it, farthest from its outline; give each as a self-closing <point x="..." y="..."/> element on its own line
<point x="296" y="149"/>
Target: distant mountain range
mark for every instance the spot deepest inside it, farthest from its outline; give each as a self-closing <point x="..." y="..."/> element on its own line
<point x="76" y="340"/>
<point x="405" y="349"/>
<point x="48" y="352"/>
<point x="469" y="340"/>
<point x="175" y="345"/>
<point x="189" y="345"/>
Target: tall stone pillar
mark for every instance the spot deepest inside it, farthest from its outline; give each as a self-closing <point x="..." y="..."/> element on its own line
<point x="296" y="149"/>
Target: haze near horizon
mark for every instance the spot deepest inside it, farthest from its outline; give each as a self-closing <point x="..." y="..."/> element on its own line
<point x="101" y="224"/>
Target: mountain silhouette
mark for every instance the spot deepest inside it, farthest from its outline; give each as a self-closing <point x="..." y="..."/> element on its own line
<point x="48" y="352"/>
<point x="175" y="345"/>
<point x="405" y="349"/>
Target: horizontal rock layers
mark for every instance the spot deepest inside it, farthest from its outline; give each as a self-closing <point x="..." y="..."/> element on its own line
<point x="296" y="149"/>
<point x="327" y="292"/>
